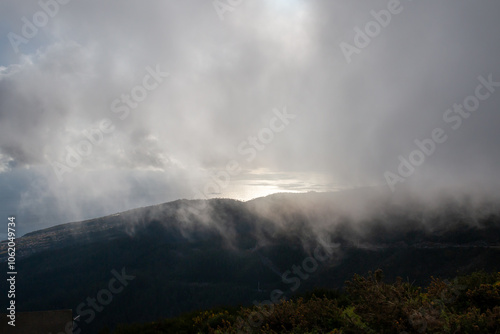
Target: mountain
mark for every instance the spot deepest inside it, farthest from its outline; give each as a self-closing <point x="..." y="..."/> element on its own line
<point x="159" y="261"/>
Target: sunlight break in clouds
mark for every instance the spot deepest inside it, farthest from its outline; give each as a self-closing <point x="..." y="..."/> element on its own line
<point x="225" y="76"/>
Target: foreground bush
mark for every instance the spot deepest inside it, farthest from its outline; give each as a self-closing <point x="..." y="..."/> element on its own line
<point x="468" y="304"/>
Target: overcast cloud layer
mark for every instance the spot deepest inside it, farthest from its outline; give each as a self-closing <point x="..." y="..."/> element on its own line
<point x="351" y="114"/>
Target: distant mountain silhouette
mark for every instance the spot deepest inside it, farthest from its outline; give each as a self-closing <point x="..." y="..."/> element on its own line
<point x="195" y="254"/>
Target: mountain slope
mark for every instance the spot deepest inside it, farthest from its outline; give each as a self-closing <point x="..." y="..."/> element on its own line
<point x="187" y="255"/>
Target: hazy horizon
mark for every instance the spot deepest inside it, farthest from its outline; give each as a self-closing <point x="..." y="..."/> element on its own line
<point x="109" y="107"/>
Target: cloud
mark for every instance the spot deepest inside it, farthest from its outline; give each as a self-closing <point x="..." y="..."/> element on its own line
<point x="353" y="120"/>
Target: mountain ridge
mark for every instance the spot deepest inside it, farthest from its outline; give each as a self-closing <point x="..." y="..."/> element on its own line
<point x="115" y="225"/>
<point x="196" y="254"/>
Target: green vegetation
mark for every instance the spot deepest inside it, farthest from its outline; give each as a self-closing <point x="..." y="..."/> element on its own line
<point x="468" y="304"/>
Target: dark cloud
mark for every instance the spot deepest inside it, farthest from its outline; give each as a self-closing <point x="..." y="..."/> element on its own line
<point x="353" y="120"/>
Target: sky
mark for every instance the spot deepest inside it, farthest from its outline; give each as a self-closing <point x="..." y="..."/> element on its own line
<point x="108" y="106"/>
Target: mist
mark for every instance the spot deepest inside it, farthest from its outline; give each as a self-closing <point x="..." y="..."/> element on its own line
<point x="162" y="101"/>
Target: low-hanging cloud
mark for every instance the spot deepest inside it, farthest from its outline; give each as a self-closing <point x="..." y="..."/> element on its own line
<point x="225" y="78"/>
